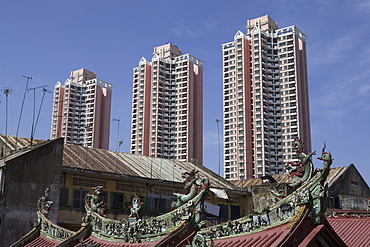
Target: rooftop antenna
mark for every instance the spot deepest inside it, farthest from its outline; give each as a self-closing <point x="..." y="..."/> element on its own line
<point x="117" y="120"/>
<point x="6" y="91"/>
<point x="20" y="115"/>
<point x="119" y="144"/>
<point x="33" y="114"/>
<point x="44" y="90"/>
<point x="219" y="153"/>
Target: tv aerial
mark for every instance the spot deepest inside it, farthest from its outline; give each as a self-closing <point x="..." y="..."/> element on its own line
<point x="6" y="91"/>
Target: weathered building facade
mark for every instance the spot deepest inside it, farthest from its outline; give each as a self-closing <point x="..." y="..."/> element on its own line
<point x="72" y="170"/>
<point x="24" y="176"/>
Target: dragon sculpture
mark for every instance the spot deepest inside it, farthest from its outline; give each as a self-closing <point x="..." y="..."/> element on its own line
<point x="96" y="202"/>
<point x="193" y="186"/>
<point x="318" y="195"/>
<point x="301" y="171"/>
<point x="190" y="188"/>
<point x="327" y="159"/>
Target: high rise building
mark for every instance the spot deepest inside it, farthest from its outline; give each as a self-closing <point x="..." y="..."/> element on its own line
<point x="167" y="105"/>
<point x="81" y="110"/>
<point x="265" y="100"/>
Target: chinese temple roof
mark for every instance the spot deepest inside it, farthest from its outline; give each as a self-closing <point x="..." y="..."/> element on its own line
<point x="170" y="229"/>
<point x="42" y="241"/>
<point x="351" y="226"/>
<point x="297" y="219"/>
<point x="93" y="241"/>
<point x="269" y="237"/>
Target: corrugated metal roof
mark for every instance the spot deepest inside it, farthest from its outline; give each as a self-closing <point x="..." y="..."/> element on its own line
<point x="75" y="156"/>
<point x="286" y="178"/>
<point x="135" y="165"/>
<point x="334" y="174"/>
<point x="15" y="143"/>
<point x="282" y="178"/>
<point x="352" y="230"/>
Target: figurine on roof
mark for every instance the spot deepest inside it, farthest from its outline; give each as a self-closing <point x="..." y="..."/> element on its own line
<point x="301" y="171"/>
<point x="137" y="204"/>
<point x="44" y="204"/>
<point x="95" y="201"/>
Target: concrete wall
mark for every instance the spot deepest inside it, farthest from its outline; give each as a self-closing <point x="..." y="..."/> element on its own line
<point x="349" y="191"/>
<point x="26" y="175"/>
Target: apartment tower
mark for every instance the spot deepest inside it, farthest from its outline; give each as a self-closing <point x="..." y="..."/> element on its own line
<point x="81" y="110"/>
<point x="167" y="105"/>
<point x="265" y="100"/>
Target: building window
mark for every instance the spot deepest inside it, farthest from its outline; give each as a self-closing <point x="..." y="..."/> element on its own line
<point x="88" y="182"/>
<point x="161" y="205"/>
<point x="130" y="187"/>
<point x="63" y="198"/>
<point x="354" y="182"/>
<point x="117" y="201"/>
<point x="79" y="198"/>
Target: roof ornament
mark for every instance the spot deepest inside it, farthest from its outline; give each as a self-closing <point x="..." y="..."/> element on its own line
<point x="136" y="206"/>
<point x="96" y="202"/>
<point x="44" y="204"/>
<point x="193" y="186"/>
<point x="320" y="191"/>
<point x="301" y="171"/>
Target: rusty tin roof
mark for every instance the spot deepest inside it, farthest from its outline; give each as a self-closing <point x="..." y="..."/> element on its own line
<point x="286" y="178"/>
<point x="107" y="161"/>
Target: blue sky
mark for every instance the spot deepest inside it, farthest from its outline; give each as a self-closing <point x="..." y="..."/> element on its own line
<point x="48" y="39"/>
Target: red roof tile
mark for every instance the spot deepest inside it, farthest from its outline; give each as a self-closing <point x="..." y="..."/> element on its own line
<point x="42" y="241"/>
<point x="352" y="230"/>
<point x="269" y="237"/>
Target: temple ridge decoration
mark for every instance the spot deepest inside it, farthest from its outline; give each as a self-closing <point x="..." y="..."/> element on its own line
<point x="187" y="211"/>
<point x="137" y="204"/>
<point x="301" y="171"/>
<point x="96" y="202"/>
<point x="44" y="204"/>
<point x="43" y="226"/>
<point x="193" y="186"/>
<point x="170" y="229"/>
<point x="304" y="204"/>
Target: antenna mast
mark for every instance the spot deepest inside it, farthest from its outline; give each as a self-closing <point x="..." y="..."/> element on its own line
<point x="6" y="91"/>
<point x="20" y="115"/>
<point x="33" y="113"/>
<point x="44" y="90"/>
<point x="118" y="120"/>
